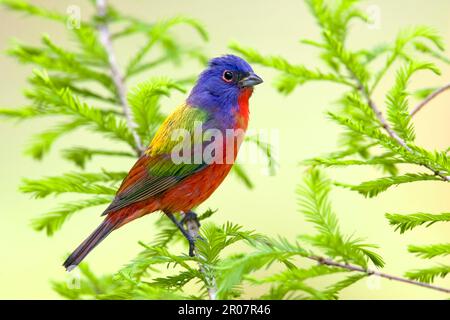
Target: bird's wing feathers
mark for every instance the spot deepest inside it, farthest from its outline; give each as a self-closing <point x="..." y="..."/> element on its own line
<point x="155" y="171"/>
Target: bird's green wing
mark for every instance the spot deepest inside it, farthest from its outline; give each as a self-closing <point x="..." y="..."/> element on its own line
<point x="159" y="168"/>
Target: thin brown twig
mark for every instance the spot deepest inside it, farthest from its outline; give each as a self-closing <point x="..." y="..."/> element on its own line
<point x="370" y="272"/>
<point x="105" y="39"/>
<point x="428" y="99"/>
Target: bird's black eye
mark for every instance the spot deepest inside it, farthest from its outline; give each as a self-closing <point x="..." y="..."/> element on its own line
<point x="227" y="76"/>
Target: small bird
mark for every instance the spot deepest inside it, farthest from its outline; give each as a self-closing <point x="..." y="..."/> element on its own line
<point x="219" y="102"/>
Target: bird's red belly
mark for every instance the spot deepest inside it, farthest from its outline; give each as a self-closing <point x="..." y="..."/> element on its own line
<point x="183" y="197"/>
<point x="194" y="190"/>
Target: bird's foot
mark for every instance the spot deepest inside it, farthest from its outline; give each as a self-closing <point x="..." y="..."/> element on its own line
<point x="190" y="220"/>
<point x="190" y="216"/>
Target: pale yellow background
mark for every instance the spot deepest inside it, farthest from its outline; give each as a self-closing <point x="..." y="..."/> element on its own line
<point x="29" y="259"/>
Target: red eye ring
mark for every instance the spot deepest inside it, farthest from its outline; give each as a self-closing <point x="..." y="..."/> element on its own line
<point x="227" y="76"/>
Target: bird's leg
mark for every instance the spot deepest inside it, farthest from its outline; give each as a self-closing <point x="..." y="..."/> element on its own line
<point x="190" y="216"/>
<point x="184" y="232"/>
<point x="190" y="219"/>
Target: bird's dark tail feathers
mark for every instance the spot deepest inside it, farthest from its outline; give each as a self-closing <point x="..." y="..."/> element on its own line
<point x="102" y="231"/>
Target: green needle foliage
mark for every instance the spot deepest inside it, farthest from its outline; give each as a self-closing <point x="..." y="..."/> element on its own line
<point x="73" y="87"/>
<point x="292" y="281"/>
<point x="411" y="221"/>
<point x="428" y="275"/>
<point x="368" y="137"/>
<point x="430" y="251"/>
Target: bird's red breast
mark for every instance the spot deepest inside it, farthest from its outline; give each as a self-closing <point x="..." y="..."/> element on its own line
<point x="242" y="112"/>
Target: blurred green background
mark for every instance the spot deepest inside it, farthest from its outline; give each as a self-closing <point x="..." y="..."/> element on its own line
<point x="29" y="260"/>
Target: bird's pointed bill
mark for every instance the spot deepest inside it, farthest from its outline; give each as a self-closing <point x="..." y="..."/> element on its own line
<point x="251" y="80"/>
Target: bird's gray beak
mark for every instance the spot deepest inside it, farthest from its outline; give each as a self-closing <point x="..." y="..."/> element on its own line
<point x="250" y="81"/>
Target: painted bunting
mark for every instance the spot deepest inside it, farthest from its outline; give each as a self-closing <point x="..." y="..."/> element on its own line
<point x="176" y="176"/>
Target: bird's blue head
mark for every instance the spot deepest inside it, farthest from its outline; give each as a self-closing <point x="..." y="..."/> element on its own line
<point x="221" y="84"/>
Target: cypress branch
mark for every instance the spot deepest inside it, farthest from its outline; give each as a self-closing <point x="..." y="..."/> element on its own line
<point x="333" y="290"/>
<point x="405" y="37"/>
<point x="301" y="73"/>
<point x="430" y="251"/>
<point x="23" y="113"/>
<point x="144" y="102"/>
<point x="373" y="188"/>
<point x="397" y="103"/>
<point x="53" y="220"/>
<point x="79" y="182"/>
<point x="428" y="275"/>
<point x="157" y="33"/>
<point x="80" y="155"/>
<point x="23" y="6"/>
<point x="411" y="221"/>
<point x="42" y="142"/>
<point x="437" y="54"/>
